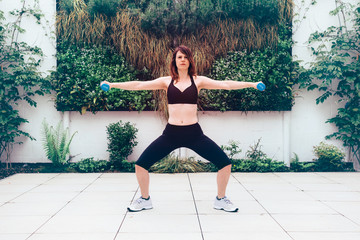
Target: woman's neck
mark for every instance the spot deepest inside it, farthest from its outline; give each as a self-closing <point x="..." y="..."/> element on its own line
<point x="183" y="75"/>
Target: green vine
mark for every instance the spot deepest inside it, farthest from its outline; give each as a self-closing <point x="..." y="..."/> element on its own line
<point x="336" y="72"/>
<point x="20" y="77"/>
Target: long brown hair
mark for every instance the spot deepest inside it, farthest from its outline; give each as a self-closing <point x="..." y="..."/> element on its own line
<point x="173" y="68"/>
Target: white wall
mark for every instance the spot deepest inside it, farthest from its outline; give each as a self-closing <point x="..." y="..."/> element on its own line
<point x="281" y="133"/>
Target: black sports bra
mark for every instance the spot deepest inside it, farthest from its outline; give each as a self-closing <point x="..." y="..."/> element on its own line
<point x="189" y="95"/>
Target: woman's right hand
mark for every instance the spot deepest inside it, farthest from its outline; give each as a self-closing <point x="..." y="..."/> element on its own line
<point x="106" y="82"/>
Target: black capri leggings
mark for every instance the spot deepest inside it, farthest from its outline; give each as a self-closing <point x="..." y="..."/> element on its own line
<point x="190" y="136"/>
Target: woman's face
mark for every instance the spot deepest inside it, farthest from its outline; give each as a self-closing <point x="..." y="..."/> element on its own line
<point x="182" y="62"/>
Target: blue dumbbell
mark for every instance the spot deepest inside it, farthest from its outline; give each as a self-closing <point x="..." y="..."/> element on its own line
<point x="105" y="87"/>
<point x="261" y="86"/>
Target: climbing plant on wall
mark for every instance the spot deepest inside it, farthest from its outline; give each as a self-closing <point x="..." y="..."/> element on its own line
<point x="336" y="72"/>
<point x="20" y="77"/>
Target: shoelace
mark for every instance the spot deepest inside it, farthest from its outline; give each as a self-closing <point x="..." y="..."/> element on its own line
<point x="227" y="201"/>
<point x="139" y="200"/>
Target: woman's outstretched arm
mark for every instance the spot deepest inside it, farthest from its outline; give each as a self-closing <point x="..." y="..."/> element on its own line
<point x="157" y="84"/>
<point x="208" y="83"/>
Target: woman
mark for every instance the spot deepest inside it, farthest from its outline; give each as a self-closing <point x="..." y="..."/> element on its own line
<point x="182" y="130"/>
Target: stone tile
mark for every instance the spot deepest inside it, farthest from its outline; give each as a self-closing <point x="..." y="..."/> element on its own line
<point x="350" y="210"/>
<point x="70" y="181"/>
<point x="270" y="187"/>
<point x="257" y="178"/>
<point x="72" y="236"/>
<point x="292" y="177"/>
<point x="119" y="178"/>
<point x="105" y="196"/>
<point x="16" y="188"/>
<point x="325" y="235"/>
<point x="112" y="187"/>
<point x="342" y="177"/>
<point x="56" y="188"/>
<point x="159" y="236"/>
<point x="84" y="208"/>
<point x="254" y="235"/>
<point x="315" y="223"/>
<point x="30" y="208"/>
<point x="21" y="224"/>
<point x="169" y="196"/>
<point x="323" y="187"/>
<point x="77" y="176"/>
<point x="82" y="224"/>
<point x="46" y="197"/>
<point x="235" y="222"/>
<point x="175" y="224"/>
<point x="8" y="196"/>
<point x="335" y="196"/>
<point x="172" y="187"/>
<point x="28" y="178"/>
<point x="281" y="196"/>
<point x="14" y="236"/>
<point x="296" y="207"/>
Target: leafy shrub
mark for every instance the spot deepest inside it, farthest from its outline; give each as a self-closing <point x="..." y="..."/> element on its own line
<point x="329" y="157"/>
<point x="89" y="165"/>
<point x="108" y="8"/>
<point x="256" y="161"/>
<point x="255" y="152"/>
<point x="79" y="73"/>
<point x="297" y="166"/>
<point x="271" y="66"/>
<point x="56" y="144"/>
<point x="258" y="165"/>
<point x="232" y="149"/>
<point x="121" y="138"/>
<point x="184" y="17"/>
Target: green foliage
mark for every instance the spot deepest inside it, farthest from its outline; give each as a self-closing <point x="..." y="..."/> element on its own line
<point x="121" y="137"/>
<point x="108" y="8"/>
<point x="20" y="77"/>
<point x="272" y="66"/>
<point x="79" y="73"/>
<point x="89" y="165"/>
<point x="174" y="164"/>
<point x="329" y="157"/>
<point x="258" y="165"/>
<point x="297" y="166"/>
<point x="336" y="72"/>
<point x="232" y="149"/>
<point x="65" y="5"/>
<point x="56" y="144"/>
<point x="256" y="160"/>
<point x="184" y="17"/>
<point x="255" y="152"/>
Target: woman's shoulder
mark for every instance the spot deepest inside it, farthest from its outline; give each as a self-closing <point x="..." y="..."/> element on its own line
<point x="165" y="78"/>
<point x="200" y="79"/>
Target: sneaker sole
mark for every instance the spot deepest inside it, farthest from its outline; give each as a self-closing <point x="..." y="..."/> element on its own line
<point x="131" y="210"/>
<point x="235" y="210"/>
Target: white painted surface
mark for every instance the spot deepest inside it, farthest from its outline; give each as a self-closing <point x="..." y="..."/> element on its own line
<point x="281" y="133"/>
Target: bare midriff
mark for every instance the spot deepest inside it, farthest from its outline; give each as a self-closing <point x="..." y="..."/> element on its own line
<point x="182" y="114"/>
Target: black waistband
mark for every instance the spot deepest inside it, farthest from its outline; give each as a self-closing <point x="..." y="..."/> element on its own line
<point x="193" y="129"/>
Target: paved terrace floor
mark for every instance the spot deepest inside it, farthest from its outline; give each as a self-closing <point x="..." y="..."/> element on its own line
<point x="272" y="206"/>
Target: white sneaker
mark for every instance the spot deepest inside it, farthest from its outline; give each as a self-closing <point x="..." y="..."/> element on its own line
<point x="140" y="204"/>
<point x="224" y="204"/>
